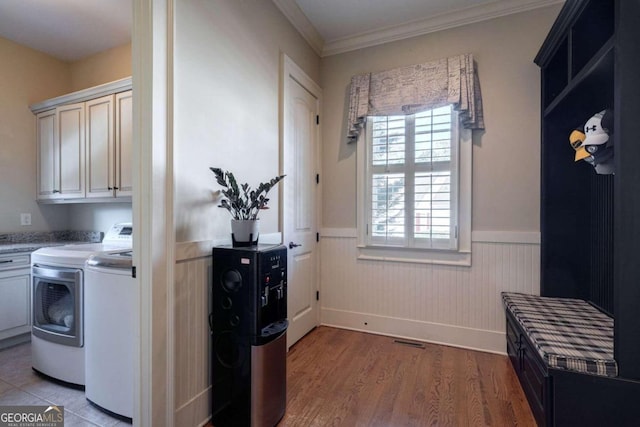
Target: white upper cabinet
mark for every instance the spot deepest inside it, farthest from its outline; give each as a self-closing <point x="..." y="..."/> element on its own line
<point x="100" y="147"/>
<point x="109" y="135"/>
<point x="71" y="142"/>
<point x="84" y="148"/>
<point x="47" y="158"/>
<point x="123" y="183"/>
<point x="60" y="148"/>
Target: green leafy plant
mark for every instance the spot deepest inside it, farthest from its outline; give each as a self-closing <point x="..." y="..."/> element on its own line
<point x="241" y="201"/>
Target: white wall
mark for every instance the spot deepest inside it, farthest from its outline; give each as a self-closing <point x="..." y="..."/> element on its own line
<point x="227" y="70"/>
<point x="98" y="216"/>
<point x="506" y="156"/>
<point x="451" y="305"/>
<point x="226" y="101"/>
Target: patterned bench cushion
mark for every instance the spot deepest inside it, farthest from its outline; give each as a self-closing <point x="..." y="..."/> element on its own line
<point x="568" y="333"/>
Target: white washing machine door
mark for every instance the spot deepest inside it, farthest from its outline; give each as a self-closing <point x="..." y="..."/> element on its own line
<point x="110" y="303"/>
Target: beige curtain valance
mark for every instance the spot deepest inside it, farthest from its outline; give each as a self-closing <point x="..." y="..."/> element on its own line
<point x="416" y="88"/>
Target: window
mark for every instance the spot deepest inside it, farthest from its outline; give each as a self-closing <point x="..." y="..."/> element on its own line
<point x="412" y="189"/>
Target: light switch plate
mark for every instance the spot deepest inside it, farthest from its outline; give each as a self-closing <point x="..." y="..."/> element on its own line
<point x="25" y="219"/>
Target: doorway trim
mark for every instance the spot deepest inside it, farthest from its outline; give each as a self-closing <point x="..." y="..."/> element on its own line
<point x="154" y="237"/>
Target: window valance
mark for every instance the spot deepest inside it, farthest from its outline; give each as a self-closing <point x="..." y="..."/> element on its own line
<point x="416" y="88"/>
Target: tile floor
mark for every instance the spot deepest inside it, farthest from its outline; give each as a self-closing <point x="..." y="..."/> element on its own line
<point x="19" y="385"/>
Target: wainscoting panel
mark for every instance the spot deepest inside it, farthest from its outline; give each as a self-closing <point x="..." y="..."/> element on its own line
<point x="192" y="337"/>
<point x="452" y="305"/>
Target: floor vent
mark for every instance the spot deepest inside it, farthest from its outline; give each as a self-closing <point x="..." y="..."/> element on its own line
<point x="413" y="344"/>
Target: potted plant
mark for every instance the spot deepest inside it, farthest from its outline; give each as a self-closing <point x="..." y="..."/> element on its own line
<point x="243" y="204"/>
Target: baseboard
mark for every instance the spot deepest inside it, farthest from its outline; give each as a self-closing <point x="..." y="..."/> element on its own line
<point x="196" y="412"/>
<point x="436" y="333"/>
<point x="18" y="339"/>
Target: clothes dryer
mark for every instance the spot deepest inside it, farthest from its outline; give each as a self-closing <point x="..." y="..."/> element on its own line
<point x="57" y="277"/>
<point x="110" y="291"/>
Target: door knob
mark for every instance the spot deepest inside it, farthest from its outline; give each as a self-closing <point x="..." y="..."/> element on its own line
<point x="293" y="245"/>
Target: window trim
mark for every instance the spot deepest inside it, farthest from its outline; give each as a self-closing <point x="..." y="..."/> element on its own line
<point x="460" y="256"/>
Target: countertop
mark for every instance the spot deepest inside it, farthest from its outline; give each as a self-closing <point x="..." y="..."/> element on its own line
<point x="14" y="248"/>
<point x="13" y="243"/>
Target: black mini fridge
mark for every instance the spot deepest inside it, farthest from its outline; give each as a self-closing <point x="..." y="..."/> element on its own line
<point x="248" y="322"/>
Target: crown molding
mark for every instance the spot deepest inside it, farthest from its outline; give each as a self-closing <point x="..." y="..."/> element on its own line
<point x="435" y="23"/>
<point x="83" y="95"/>
<point x="294" y="14"/>
<point x="444" y="21"/>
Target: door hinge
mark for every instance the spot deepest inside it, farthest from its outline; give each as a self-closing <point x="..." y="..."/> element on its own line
<point x="317" y="178"/>
<point x="317" y="119"/>
<point x="317" y="237"/>
<point x="133" y="271"/>
<point x="317" y="295"/>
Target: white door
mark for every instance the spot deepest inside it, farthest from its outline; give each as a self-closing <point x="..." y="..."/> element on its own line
<point x="300" y="198"/>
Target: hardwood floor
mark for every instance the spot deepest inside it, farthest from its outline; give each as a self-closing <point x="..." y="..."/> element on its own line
<point x="342" y="378"/>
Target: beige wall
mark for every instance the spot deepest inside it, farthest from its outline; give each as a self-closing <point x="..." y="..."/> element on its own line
<point x="103" y="67"/>
<point x="506" y="158"/>
<point x="26" y="77"/>
<point x="227" y="71"/>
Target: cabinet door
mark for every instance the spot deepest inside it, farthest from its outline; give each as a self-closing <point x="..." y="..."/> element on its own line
<point x="124" y="142"/>
<point x="71" y="139"/>
<point x="15" y="303"/>
<point x="100" y="147"/>
<point x="47" y="147"/>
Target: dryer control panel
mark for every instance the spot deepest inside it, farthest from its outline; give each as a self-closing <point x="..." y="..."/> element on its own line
<point x="119" y="233"/>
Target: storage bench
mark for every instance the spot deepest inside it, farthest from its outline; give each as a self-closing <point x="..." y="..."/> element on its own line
<point x="562" y="352"/>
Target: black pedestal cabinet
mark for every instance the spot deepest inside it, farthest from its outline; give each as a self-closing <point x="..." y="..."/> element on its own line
<point x="248" y="324"/>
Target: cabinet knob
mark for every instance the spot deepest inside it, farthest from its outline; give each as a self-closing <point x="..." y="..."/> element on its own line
<point x="56" y="191"/>
<point x="109" y="188"/>
<point x="116" y="188"/>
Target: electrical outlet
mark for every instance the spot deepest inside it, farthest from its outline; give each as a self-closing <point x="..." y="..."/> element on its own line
<point x="25" y="219"/>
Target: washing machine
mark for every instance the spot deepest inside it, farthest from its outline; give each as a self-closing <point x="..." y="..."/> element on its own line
<point x="58" y="284"/>
<point x="111" y="294"/>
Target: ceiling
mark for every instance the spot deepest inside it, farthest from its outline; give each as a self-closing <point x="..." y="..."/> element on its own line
<point x="74" y="29"/>
<point x="67" y="29"/>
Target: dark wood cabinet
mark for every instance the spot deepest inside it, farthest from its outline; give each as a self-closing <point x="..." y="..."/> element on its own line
<point x="531" y="372"/>
<point x="590" y="223"/>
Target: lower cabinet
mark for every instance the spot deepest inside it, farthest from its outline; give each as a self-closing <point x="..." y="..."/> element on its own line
<point x="15" y="296"/>
<point x="532" y="374"/>
<point x="564" y="398"/>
